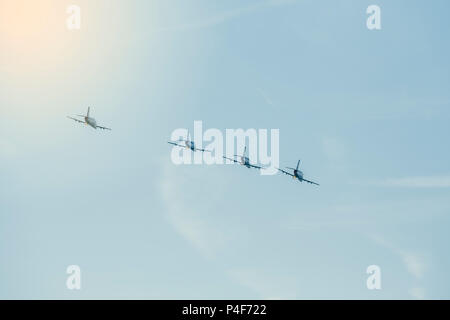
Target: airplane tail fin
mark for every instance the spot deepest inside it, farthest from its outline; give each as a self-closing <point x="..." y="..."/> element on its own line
<point x="89" y="108"/>
<point x="298" y="163"/>
<point x="245" y="149"/>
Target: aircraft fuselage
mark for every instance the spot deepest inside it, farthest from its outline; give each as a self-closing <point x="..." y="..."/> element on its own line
<point x="190" y="145"/>
<point x="298" y="175"/>
<point x="91" y="121"/>
<point x="245" y="161"/>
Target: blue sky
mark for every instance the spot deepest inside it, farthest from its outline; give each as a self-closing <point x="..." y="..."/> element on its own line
<point x="366" y="111"/>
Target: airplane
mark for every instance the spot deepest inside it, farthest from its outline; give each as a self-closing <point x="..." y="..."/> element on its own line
<point x="244" y="161"/>
<point x="188" y="144"/>
<point x="88" y="120"/>
<point x="297" y="174"/>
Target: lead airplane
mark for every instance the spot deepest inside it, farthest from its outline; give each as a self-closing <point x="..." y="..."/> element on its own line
<point x="244" y="161"/>
<point x="188" y="144"/>
<point x="297" y="174"/>
<point x="88" y="120"/>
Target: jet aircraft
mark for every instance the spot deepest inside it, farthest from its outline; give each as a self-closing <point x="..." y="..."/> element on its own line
<point x="88" y="120"/>
<point x="188" y="144"/>
<point x="297" y="174"/>
<point x="243" y="160"/>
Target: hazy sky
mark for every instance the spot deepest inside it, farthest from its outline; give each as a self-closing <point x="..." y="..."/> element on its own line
<point x="366" y="111"/>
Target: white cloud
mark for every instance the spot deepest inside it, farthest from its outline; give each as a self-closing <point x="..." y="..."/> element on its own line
<point x="413" y="262"/>
<point x="265" y="284"/>
<point x="418" y="182"/>
<point x="190" y="218"/>
<point x="417" y="293"/>
<point x="226" y="16"/>
<point x="265" y="97"/>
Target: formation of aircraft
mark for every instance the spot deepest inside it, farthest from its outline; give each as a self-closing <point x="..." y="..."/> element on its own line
<point x="244" y="160"/>
<point x="188" y="144"/>
<point x="88" y="120"/>
<point x="297" y="174"/>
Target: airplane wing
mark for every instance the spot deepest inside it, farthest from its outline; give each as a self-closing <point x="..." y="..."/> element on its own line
<point x="76" y="119"/>
<point x="104" y="128"/>
<point x="231" y="159"/>
<point x="312" y="182"/>
<point x="285" y="172"/>
<point x="175" y="144"/>
<point x="202" y="150"/>
<point x="256" y="167"/>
